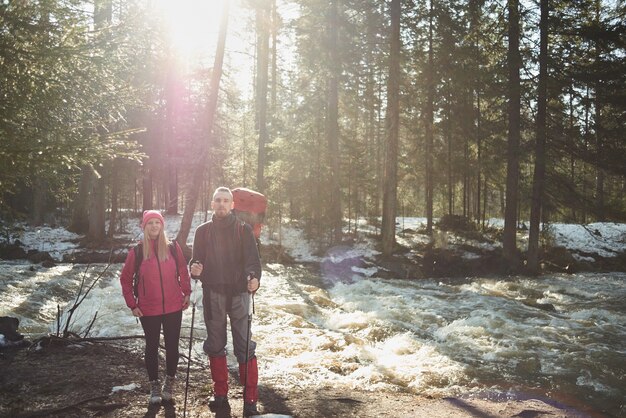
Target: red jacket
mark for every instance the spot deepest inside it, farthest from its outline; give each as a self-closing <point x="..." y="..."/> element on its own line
<point x="159" y="290"/>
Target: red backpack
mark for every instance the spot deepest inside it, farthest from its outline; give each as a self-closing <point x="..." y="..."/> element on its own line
<point x="249" y="206"/>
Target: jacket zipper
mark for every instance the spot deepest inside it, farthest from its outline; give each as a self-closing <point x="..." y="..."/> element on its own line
<point x="161" y="278"/>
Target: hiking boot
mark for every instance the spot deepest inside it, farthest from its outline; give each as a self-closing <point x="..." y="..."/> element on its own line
<point x="219" y="402"/>
<point x="155" y="392"/>
<point x="168" y="388"/>
<point x="249" y="409"/>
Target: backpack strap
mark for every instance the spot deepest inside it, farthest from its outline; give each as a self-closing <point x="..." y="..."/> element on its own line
<point x="239" y="225"/>
<point x="208" y="232"/>
<point x="138" y="249"/>
<point x="173" y="247"/>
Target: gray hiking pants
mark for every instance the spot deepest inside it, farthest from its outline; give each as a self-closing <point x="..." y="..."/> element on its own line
<point x="215" y="312"/>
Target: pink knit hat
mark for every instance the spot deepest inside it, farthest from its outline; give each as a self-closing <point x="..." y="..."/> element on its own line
<point x="151" y="214"/>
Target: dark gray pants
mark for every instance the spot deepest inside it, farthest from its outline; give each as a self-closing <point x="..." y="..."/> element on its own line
<point x="215" y="312"/>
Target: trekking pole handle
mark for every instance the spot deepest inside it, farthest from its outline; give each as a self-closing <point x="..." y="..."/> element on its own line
<point x="251" y="294"/>
<point x="192" y="265"/>
<point x="249" y="279"/>
<point x="193" y="296"/>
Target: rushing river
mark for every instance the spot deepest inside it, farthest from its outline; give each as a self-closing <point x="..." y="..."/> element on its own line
<point x="559" y="337"/>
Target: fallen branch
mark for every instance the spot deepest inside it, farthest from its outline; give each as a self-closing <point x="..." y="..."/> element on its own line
<point x="97" y="339"/>
<point x="46" y="412"/>
<point x="75" y="339"/>
<point x="52" y="339"/>
<point x="80" y="296"/>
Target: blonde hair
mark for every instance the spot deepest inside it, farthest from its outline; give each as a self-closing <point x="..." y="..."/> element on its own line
<point x="162" y="244"/>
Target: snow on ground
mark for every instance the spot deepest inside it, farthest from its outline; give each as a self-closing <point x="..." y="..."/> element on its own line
<point x="293" y="240"/>
<point x="129" y="387"/>
<point x="604" y="239"/>
<point x="56" y="241"/>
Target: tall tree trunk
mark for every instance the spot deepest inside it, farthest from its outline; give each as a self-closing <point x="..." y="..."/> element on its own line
<point x="586" y="148"/>
<point x="332" y="121"/>
<point x="103" y="14"/>
<point x="540" y="146"/>
<point x="172" y="185"/>
<point x="599" y="128"/>
<point x="40" y="194"/>
<point x="467" y="210"/>
<point x="479" y="158"/>
<point x="573" y="139"/>
<point x="380" y="149"/>
<point x="97" y="208"/>
<point x="429" y="117"/>
<point x="115" y="191"/>
<point x="173" y="93"/>
<point x="198" y="174"/>
<point x="371" y="125"/>
<point x="263" y="54"/>
<point x="390" y="177"/>
<point x="512" y="173"/>
<point x="147" y="200"/>
<point x="448" y="137"/>
<point x="316" y="203"/>
<point x="274" y="52"/>
<point x="485" y="196"/>
<point x="80" y="210"/>
<point x="475" y="11"/>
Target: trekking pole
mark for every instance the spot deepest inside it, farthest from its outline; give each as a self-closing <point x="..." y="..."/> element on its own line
<point x="193" y="315"/>
<point x="245" y="380"/>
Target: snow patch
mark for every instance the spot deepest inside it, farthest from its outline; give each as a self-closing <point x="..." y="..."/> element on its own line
<point x="129" y="387"/>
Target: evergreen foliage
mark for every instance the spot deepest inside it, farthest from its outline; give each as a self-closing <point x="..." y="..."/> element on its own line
<point x="117" y="101"/>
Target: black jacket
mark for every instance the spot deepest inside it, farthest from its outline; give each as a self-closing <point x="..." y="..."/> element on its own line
<point x="228" y="252"/>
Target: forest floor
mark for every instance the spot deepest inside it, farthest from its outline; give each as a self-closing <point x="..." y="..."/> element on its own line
<point x="77" y="380"/>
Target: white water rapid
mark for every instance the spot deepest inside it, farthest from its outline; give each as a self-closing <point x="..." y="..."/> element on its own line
<point x="555" y="336"/>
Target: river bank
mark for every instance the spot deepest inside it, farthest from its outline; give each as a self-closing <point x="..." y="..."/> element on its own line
<point x="456" y="248"/>
<point x="107" y="380"/>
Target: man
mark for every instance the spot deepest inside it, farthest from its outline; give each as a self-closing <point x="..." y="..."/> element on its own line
<point x="226" y="260"/>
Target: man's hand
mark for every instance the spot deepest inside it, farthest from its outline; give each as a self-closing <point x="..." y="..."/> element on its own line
<point x="196" y="269"/>
<point x="186" y="302"/>
<point x="253" y="284"/>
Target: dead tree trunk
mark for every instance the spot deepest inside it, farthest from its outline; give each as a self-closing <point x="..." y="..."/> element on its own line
<point x="194" y="187"/>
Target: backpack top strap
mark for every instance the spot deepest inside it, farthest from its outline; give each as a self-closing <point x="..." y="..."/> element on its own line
<point x="173" y="247"/>
<point x="208" y="230"/>
<point x="138" y="249"/>
<point x="240" y="225"/>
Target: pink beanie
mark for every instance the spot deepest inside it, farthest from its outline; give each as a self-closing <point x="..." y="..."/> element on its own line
<point x="151" y="214"/>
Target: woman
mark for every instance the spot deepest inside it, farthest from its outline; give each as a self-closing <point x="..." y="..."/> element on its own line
<point x="157" y="296"/>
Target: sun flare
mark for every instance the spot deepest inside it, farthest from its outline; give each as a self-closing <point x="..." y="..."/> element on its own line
<point x="192" y="28"/>
<point x="192" y="25"/>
